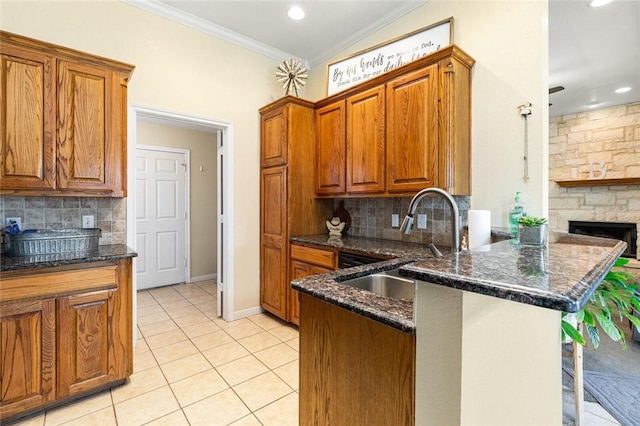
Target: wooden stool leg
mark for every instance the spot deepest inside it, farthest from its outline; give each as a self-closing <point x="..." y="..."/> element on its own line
<point x="578" y="383"/>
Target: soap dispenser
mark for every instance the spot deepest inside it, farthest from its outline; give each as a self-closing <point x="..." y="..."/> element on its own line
<point x="518" y="209"/>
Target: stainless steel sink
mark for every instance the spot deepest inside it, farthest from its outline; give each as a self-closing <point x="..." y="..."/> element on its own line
<point x="388" y="284"/>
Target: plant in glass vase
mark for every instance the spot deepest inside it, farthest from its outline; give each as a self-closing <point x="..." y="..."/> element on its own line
<point x="532" y="231"/>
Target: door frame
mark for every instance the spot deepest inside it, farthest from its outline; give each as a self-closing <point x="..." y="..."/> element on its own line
<point x="225" y="241"/>
<point x="187" y="197"/>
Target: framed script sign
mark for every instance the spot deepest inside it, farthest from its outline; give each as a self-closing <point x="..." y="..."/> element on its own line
<point x="384" y="57"/>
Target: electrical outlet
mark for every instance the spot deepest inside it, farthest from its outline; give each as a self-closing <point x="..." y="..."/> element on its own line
<point x="87" y="221"/>
<point x="11" y="220"/>
<point x="422" y="221"/>
<point x="395" y="220"/>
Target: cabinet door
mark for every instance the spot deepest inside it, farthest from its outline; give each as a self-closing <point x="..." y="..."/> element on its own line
<point x="330" y="149"/>
<point x="27" y="120"/>
<point x="412" y="129"/>
<point x="365" y="142"/>
<point x="301" y="270"/>
<point x="27" y="351"/>
<point x="273" y="132"/>
<point x="88" y="131"/>
<point x="307" y="261"/>
<point x="273" y="240"/>
<point x="86" y="326"/>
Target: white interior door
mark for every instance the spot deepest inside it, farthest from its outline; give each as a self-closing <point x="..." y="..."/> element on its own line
<point x="161" y="216"/>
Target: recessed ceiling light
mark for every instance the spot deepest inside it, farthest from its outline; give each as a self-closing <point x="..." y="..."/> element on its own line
<point x="598" y="3"/>
<point x="296" y="13"/>
<point x="623" y="89"/>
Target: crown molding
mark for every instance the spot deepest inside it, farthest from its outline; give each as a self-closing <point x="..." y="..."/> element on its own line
<point x="365" y="32"/>
<point x="218" y="31"/>
<point x="176" y="15"/>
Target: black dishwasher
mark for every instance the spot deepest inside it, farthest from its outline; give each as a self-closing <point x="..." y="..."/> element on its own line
<point x="347" y="260"/>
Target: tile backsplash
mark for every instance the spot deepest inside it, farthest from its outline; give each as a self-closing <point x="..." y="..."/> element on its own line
<point x="110" y="214"/>
<point x="371" y="217"/>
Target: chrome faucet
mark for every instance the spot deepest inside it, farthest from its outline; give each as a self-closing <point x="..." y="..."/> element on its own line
<point x="407" y="223"/>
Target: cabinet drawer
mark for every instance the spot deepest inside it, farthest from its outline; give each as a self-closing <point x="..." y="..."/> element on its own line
<point x="36" y="285"/>
<point x="325" y="258"/>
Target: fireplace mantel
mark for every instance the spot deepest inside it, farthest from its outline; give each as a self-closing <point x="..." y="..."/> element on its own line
<point x="598" y="182"/>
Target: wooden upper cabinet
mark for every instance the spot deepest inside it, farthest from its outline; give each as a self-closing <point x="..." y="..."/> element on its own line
<point x="400" y="132"/>
<point x="63" y="121"/>
<point x="27" y="119"/>
<point x="330" y="149"/>
<point x="366" y="141"/>
<point x="86" y="130"/>
<point x="412" y="131"/>
<point x="273" y="132"/>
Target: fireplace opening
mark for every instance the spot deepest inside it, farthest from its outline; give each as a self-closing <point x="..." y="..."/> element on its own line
<point x="626" y="232"/>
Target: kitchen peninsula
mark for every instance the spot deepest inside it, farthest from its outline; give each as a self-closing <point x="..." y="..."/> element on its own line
<point x="486" y="325"/>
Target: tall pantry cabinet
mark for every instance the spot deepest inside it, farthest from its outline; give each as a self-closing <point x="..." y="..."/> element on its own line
<point x="287" y="196"/>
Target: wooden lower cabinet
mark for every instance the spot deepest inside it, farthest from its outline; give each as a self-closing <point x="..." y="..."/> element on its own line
<point x="353" y="370"/>
<point x="28" y="351"/>
<point x="66" y="331"/>
<point x="88" y="322"/>
<point x="307" y="261"/>
<point x="301" y="270"/>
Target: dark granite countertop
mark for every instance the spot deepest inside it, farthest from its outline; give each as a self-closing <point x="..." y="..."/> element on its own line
<point x="371" y="246"/>
<point x="106" y="252"/>
<point x="561" y="276"/>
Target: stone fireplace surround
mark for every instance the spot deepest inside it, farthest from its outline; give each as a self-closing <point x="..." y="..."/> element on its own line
<point x="610" y="135"/>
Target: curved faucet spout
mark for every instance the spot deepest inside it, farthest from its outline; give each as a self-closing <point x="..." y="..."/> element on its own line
<point x="407" y="224"/>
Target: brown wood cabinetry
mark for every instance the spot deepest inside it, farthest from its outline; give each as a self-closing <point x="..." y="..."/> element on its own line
<point x="88" y="321"/>
<point x="366" y="141"/>
<point x="405" y="130"/>
<point x="331" y="149"/>
<point x="353" y="370"/>
<point x="307" y="261"/>
<point x="66" y="331"/>
<point x="273" y="241"/>
<point x="287" y="198"/>
<point x="62" y="119"/>
<point x="412" y="131"/>
<point x="28" y="362"/>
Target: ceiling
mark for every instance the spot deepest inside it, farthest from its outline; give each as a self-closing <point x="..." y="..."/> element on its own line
<point x="593" y="51"/>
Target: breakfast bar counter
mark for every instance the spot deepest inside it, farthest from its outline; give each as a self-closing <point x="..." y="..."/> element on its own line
<point x="561" y="276"/>
<point x="487" y="322"/>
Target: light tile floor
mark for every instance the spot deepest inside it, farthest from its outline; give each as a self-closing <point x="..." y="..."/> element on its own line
<point x="191" y="368"/>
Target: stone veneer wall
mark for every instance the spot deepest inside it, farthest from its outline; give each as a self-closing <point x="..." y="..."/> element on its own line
<point x="609" y="134"/>
<point x="371" y="217"/>
<point x="110" y="214"/>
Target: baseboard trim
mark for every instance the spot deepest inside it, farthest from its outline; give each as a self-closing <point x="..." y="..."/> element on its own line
<point x="213" y="277"/>
<point x="247" y="313"/>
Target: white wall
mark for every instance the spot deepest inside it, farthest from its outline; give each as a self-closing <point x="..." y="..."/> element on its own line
<point x="509" y="42"/>
<point x="181" y="70"/>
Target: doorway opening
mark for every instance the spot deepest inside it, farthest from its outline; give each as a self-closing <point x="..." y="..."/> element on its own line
<point x="222" y="137"/>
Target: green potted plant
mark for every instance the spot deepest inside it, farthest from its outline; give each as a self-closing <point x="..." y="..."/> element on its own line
<point x="613" y="301"/>
<point x="532" y="231"/>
